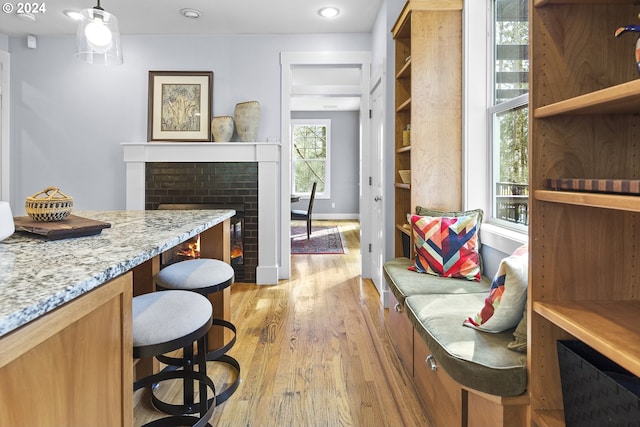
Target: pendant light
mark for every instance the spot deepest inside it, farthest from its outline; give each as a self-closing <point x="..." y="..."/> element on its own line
<point x="98" y="37"/>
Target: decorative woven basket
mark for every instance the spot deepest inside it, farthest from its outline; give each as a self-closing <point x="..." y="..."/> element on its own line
<point x="49" y="204"/>
<point x="596" y="391"/>
<point x="405" y="175"/>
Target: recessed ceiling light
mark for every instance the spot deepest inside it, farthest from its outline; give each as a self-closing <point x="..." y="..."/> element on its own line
<point x="190" y="13"/>
<point x="329" y="12"/>
<point x="73" y="14"/>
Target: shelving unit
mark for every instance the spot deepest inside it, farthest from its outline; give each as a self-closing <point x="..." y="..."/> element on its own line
<point x="428" y="96"/>
<point x="585" y="254"/>
<point x="403" y="63"/>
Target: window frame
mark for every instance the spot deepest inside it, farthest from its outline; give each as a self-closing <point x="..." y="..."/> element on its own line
<point x="326" y="194"/>
<point x="492" y="110"/>
<point x="477" y="99"/>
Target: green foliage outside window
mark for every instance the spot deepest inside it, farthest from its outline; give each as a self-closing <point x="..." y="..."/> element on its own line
<point x="510" y="111"/>
<point x="309" y="157"/>
<point x="514" y="152"/>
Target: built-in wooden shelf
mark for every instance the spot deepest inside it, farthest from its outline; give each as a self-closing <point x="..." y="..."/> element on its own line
<point x="583" y="259"/>
<point x="403" y="229"/>
<point x="596" y="200"/>
<point x="405" y="149"/>
<point x="405" y="71"/>
<point x="405" y="106"/>
<point x="403" y="185"/>
<point x="609" y="327"/>
<point x="619" y="99"/>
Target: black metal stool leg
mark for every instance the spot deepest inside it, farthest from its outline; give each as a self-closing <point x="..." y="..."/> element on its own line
<point x="187" y="388"/>
<point x="202" y="367"/>
<point x="219" y="355"/>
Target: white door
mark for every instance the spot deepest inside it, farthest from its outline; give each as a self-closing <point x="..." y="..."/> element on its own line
<point x="377" y="206"/>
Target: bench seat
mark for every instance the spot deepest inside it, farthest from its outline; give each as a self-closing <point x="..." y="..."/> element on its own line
<point x="475" y="359"/>
<point x="404" y="283"/>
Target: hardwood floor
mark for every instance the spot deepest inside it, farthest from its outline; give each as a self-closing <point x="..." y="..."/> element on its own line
<point x="314" y="351"/>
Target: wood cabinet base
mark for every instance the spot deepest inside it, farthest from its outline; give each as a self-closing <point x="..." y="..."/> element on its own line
<point x="441" y="395"/>
<point x="402" y="329"/>
<point x="446" y="401"/>
<point x="71" y="367"/>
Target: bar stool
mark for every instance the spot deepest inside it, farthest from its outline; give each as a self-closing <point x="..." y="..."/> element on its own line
<point x="164" y="322"/>
<point x="204" y="276"/>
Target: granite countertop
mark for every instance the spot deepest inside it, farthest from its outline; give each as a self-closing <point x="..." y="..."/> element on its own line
<point x="38" y="275"/>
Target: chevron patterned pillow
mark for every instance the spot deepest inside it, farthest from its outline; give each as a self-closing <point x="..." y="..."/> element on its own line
<point x="447" y="246"/>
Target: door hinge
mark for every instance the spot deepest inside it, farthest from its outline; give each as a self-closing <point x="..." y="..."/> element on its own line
<point x="370" y="113"/>
<point x="370" y="248"/>
<point x="370" y="180"/>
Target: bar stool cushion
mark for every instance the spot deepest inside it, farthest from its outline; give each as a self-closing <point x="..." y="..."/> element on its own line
<point x="203" y="275"/>
<point x="159" y="317"/>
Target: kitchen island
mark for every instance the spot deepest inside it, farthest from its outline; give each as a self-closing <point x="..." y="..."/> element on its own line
<point x="65" y="313"/>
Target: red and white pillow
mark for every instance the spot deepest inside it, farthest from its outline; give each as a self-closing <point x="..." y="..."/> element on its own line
<point x="447" y="246"/>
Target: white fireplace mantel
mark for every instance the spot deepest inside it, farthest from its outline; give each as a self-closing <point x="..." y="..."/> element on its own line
<point x="266" y="154"/>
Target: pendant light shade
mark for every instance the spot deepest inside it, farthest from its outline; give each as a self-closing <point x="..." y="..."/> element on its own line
<point x="98" y="37"/>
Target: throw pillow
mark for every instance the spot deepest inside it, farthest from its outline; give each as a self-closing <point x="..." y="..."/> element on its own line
<point x="422" y="211"/>
<point x="446" y="246"/>
<point x="519" y="342"/>
<point x="507" y="297"/>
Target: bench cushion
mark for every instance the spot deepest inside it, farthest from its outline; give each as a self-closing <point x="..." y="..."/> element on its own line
<point x="475" y="359"/>
<point x="404" y="283"/>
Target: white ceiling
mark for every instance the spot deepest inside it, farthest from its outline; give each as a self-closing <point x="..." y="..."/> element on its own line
<point x="163" y="17"/>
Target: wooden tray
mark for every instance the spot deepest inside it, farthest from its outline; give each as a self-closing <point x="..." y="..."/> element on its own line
<point x="620" y="186"/>
<point x="71" y="226"/>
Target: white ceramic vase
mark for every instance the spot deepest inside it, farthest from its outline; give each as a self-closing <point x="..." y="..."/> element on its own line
<point x="247" y="120"/>
<point x="222" y="128"/>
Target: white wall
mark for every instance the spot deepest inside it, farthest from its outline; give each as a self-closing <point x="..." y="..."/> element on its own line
<point x="69" y="118"/>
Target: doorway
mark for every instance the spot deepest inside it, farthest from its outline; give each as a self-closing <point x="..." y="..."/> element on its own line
<point x="375" y="256"/>
<point x="291" y="93"/>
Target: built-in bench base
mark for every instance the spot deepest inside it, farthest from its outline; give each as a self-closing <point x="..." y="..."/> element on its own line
<point x="468" y="400"/>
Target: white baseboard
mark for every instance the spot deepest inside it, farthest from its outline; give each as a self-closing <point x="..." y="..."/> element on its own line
<point x="335" y="216"/>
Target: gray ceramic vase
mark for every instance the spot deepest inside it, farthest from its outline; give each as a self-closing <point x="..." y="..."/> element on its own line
<point x="222" y="128"/>
<point x="247" y="120"/>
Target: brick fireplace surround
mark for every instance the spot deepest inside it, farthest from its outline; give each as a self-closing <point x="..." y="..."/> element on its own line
<point x="220" y="173"/>
<point x="207" y="183"/>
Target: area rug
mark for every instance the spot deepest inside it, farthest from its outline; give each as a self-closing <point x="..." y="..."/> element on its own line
<point x="323" y="240"/>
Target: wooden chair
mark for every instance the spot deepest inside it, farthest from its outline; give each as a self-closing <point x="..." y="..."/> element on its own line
<point x="306" y="215"/>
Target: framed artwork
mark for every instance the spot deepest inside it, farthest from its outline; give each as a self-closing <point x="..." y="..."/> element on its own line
<point x="180" y="105"/>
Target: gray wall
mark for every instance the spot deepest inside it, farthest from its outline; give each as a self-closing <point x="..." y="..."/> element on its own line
<point x="345" y="164"/>
<point x="69" y="118"/>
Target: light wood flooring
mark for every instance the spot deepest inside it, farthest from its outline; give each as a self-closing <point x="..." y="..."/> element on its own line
<point x="314" y="351"/>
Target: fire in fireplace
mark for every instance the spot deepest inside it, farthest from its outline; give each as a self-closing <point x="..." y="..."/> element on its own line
<point x="190" y="249"/>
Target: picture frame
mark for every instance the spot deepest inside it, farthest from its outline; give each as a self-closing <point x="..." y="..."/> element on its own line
<point x="180" y="104"/>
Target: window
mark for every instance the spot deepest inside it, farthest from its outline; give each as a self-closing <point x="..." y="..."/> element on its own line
<point x="508" y="114"/>
<point x="311" y="140"/>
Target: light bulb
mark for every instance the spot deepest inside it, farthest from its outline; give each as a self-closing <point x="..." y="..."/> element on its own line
<point x="329" y="12"/>
<point x="98" y="36"/>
